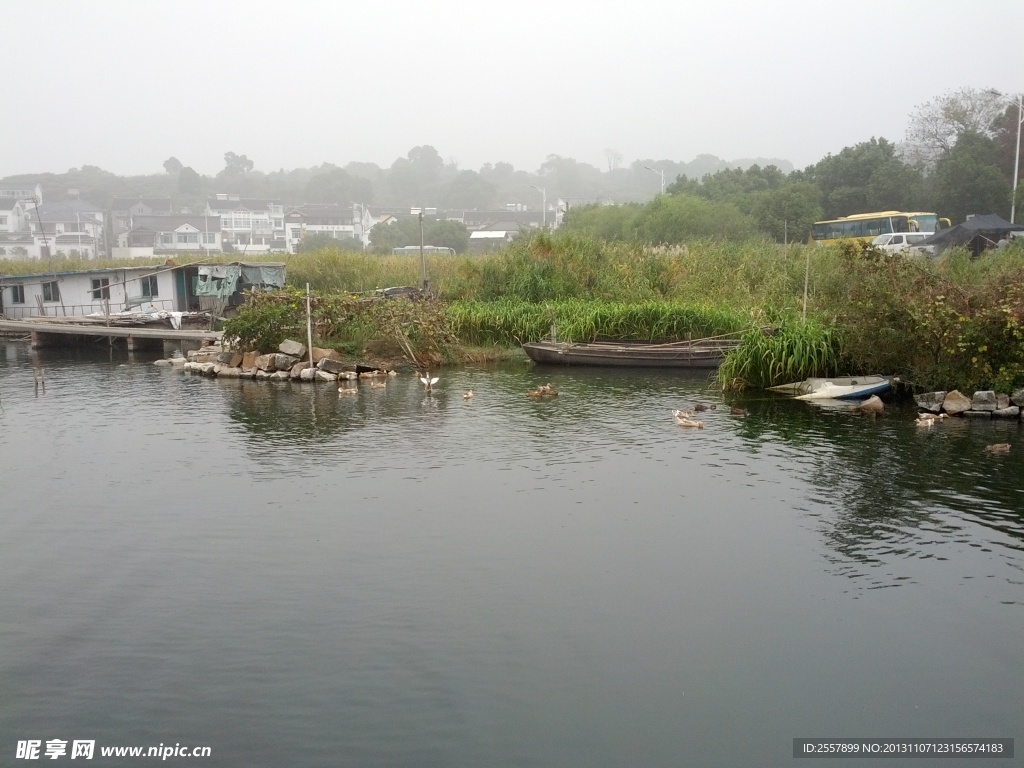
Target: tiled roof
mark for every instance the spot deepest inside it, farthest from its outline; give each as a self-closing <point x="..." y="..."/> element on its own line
<point x="67" y="210"/>
<point x="156" y="203"/>
<point x="172" y="222"/>
<point x="245" y="204"/>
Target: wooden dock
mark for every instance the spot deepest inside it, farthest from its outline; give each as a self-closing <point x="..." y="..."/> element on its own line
<point x="59" y="331"/>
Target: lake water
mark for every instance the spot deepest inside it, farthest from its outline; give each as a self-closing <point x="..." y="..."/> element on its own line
<point x="296" y="578"/>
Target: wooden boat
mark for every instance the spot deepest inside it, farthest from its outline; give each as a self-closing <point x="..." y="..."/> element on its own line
<point x="838" y="387"/>
<point x="695" y="353"/>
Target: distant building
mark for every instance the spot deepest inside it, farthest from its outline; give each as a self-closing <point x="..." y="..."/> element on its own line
<point x="122" y="209"/>
<point x="517" y="219"/>
<point x="483" y="240"/>
<point x="250" y="225"/>
<point x="32" y="195"/>
<point x="159" y="235"/>
<point x="329" y="219"/>
<point x="68" y="228"/>
<point x="13" y="215"/>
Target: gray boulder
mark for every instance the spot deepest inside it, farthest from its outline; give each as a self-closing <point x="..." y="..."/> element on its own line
<point x="956" y="402"/>
<point x="320" y="354"/>
<point x="266" y="363"/>
<point x="334" y="366"/>
<point x="284" y="362"/>
<point x="930" y="401"/>
<point x="293" y="348"/>
<point x="983" y="400"/>
<point x="249" y="360"/>
<point x="1009" y="412"/>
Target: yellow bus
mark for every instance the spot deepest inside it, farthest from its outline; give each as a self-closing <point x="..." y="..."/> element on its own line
<point x="867" y="226"/>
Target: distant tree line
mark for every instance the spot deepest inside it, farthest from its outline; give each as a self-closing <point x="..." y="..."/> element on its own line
<point x="957" y="159"/>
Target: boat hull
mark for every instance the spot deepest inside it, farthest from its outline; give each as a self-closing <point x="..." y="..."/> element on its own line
<point x="838" y="388"/>
<point x="628" y="355"/>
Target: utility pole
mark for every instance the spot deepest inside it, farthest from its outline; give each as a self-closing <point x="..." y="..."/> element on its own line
<point x="544" y="207"/>
<point x="423" y="259"/>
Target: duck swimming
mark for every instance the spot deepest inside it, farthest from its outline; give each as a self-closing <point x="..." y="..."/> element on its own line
<point x="684" y="419"/>
<point x="545" y="390"/>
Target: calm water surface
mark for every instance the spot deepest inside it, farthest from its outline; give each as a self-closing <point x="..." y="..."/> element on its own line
<point x="295" y="578"/>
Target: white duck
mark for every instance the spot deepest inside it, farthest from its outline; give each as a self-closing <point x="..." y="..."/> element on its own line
<point x="685" y="419"/>
<point x="428" y="381"/>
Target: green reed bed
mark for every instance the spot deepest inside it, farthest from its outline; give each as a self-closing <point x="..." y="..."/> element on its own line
<point x="944" y="323"/>
<point x="792" y="351"/>
<point x="513" y="321"/>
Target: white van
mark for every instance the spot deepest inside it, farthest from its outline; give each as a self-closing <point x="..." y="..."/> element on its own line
<point x="903" y="242"/>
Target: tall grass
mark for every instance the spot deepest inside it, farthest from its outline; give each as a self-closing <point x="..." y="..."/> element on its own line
<point x="513" y="321"/>
<point x="951" y="322"/>
<point x="791" y="352"/>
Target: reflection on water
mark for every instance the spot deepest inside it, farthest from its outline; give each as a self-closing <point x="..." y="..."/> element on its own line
<point x="297" y="577"/>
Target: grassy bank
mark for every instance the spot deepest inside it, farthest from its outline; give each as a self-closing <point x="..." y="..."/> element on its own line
<point x="953" y="322"/>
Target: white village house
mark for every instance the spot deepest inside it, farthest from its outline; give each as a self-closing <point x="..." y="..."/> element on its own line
<point x="250" y="225"/>
<point x="78" y="293"/>
<point x="339" y="222"/>
<point x="146" y="289"/>
<point x="158" y="235"/>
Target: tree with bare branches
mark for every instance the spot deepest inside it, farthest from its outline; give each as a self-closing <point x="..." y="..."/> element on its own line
<point x="936" y="125"/>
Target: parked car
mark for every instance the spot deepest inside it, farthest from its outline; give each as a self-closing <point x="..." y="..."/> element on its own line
<point x="903" y="242"/>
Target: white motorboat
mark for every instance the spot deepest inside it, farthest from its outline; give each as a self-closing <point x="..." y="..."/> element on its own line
<point x="838" y="387"/>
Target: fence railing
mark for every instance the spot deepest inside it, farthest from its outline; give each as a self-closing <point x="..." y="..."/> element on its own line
<point x="52" y="309"/>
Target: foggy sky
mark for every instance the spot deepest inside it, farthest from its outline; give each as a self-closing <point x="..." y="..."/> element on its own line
<point x="125" y="85"/>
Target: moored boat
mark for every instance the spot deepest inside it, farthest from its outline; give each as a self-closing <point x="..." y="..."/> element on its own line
<point x="838" y="387"/>
<point x="695" y="353"/>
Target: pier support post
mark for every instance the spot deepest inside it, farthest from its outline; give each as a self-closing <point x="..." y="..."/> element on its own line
<point x="137" y="343"/>
<point x="39" y="340"/>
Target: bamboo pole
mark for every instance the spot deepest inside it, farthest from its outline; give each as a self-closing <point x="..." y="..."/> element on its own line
<point x="309" y="327"/>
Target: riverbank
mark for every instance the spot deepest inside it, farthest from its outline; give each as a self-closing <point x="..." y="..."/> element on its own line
<point x="954" y="322"/>
<point x="292" y="361"/>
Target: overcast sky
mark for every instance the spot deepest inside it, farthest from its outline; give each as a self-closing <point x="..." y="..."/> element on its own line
<point x="125" y="85"/>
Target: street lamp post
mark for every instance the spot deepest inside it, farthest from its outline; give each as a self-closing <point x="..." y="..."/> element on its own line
<point x="544" y="207"/>
<point x="660" y="173"/>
